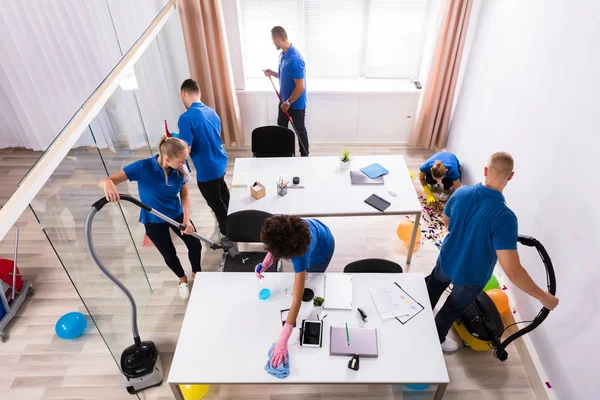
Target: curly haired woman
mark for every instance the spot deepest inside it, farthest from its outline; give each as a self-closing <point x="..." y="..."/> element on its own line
<point x="309" y="245"/>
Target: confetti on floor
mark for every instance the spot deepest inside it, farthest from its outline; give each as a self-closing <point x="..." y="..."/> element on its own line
<point x="432" y="222"/>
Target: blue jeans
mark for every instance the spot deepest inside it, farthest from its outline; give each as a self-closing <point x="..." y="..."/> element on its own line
<point x="321" y="267"/>
<point x="456" y="304"/>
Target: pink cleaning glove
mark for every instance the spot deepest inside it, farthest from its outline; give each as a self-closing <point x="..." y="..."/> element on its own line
<point x="279" y="353"/>
<point x="265" y="265"/>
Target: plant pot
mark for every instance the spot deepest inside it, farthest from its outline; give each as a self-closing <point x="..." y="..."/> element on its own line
<point x="316" y="311"/>
<point x="344" y="166"/>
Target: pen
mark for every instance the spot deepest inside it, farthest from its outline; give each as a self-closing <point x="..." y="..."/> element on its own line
<point x="347" y="334"/>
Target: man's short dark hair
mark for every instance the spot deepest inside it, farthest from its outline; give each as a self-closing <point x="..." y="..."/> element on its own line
<point x="190" y="86"/>
<point x="279" y="32"/>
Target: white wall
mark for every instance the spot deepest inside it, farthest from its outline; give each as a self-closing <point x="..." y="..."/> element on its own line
<point x="340" y="116"/>
<point x="531" y="88"/>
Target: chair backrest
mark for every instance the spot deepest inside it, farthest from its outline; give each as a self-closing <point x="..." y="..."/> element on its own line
<point x="373" y="265"/>
<point x="245" y="226"/>
<point x="273" y="141"/>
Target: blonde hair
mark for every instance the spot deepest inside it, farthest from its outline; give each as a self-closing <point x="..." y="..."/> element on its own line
<point x="501" y="164"/>
<point x="438" y="170"/>
<point x="172" y="147"/>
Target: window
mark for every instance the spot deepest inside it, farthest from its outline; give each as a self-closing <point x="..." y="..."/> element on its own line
<point x="338" y="39"/>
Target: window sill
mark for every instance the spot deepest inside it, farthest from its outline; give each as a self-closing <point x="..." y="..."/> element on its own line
<point x="339" y="86"/>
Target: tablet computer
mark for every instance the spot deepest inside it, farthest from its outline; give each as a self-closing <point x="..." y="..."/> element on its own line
<point x="378" y="202"/>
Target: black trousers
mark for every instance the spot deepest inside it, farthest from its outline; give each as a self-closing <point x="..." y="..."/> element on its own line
<point x="446" y="182"/>
<point x="455" y="305"/>
<point x="298" y="120"/>
<point x="216" y="194"/>
<point x="160" y="235"/>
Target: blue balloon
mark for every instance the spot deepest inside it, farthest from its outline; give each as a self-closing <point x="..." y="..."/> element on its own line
<point x="417" y="386"/>
<point x="71" y="325"/>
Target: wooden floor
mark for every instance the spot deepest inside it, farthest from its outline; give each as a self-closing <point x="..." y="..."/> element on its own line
<point x="36" y="364"/>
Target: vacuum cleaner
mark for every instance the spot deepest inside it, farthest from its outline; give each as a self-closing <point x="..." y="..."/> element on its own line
<point x="141" y="365"/>
<point x="481" y="327"/>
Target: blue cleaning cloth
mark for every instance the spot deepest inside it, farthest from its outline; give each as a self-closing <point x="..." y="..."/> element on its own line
<point x="374" y="171"/>
<point x="280" y="372"/>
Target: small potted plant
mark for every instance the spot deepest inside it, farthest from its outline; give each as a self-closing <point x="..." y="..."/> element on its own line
<point x="345" y="160"/>
<point x="318" y="301"/>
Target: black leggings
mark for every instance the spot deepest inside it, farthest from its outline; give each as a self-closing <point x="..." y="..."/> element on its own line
<point x="161" y="237"/>
<point x="446" y="182"/>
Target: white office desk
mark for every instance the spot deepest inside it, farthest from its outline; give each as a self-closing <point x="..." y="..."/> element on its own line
<point x="227" y="332"/>
<point x="327" y="190"/>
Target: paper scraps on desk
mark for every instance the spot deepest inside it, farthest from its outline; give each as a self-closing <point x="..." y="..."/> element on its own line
<point x="283" y="370"/>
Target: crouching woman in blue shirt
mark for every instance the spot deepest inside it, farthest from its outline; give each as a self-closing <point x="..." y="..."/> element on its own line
<point x="309" y="244"/>
<point x="162" y="180"/>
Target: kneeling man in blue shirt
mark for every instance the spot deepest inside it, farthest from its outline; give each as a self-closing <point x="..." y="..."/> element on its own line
<point x="481" y="231"/>
<point x="200" y="127"/>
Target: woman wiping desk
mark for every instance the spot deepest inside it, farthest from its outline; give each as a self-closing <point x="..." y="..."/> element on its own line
<point x="309" y="245"/>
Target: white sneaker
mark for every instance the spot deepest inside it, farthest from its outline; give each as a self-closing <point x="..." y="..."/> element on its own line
<point x="184" y="290"/>
<point x="449" y="346"/>
<point x="444" y="196"/>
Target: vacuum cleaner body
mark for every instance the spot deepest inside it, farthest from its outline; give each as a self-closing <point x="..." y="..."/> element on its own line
<point x="480" y="327"/>
<point x="141" y="366"/>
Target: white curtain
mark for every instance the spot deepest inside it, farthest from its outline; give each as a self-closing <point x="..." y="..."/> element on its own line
<point x="54" y="54"/>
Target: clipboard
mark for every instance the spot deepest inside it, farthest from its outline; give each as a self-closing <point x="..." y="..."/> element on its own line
<point x="418" y="305"/>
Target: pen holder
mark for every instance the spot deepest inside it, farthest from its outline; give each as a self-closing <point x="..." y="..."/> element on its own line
<point x="281" y="190"/>
<point x="257" y="191"/>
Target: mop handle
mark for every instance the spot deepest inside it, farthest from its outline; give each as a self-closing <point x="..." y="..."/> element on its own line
<point x="279" y="97"/>
<point x="288" y="115"/>
<point x="14" y="282"/>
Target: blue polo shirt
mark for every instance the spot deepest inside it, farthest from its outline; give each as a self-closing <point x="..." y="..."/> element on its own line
<point x="153" y="190"/>
<point x="291" y="66"/>
<point x="320" y="248"/>
<point x="448" y="159"/>
<point x="480" y="224"/>
<point x="200" y="127"/>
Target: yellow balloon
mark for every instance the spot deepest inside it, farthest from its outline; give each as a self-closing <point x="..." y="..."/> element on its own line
<point x="193" y="392"/>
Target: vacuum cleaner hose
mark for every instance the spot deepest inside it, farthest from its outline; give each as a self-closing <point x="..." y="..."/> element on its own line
<point x="500" y="352"/>
<point x="94" y="256"/>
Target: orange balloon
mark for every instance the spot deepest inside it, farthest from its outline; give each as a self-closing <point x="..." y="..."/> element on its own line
<point x="500" y="299"/>
<point x="405" y="230"/>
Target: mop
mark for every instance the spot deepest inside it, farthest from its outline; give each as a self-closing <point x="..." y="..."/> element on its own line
<point x="289" y="117"/>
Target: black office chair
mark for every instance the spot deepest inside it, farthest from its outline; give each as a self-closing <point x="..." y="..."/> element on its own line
<point x="244" y="227"/>
<point x="273" y="141"/>
<point x="373" y="265"/>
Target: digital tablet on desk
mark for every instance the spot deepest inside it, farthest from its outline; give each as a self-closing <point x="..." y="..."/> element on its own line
<point x="378" y="202"/>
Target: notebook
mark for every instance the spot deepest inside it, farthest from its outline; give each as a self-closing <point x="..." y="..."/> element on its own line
<point x="358" y="178"/>
<point x="338" y="292"/>
<point x="363" y="341"/>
